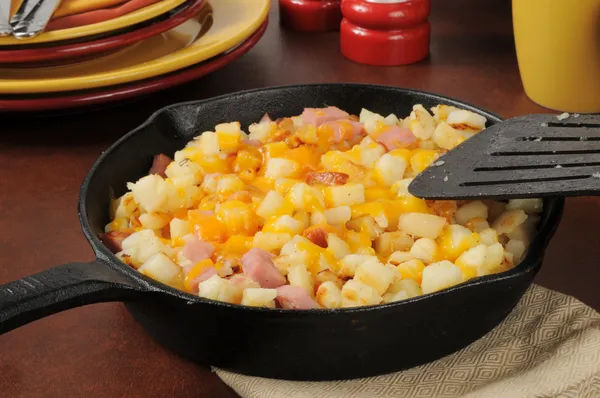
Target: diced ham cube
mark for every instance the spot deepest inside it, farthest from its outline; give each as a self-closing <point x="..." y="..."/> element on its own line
<point x="396" y="137"/>
<point x="345" y="130"/>
<point x="258" y="265"/>
<point x="294" y="298"/>
<point x="326" y="178"/>
<point x="113" y="239"/>
<point x="317" y="117"/>
<point x="196" y="249"/>
<point x="159" y="165"/>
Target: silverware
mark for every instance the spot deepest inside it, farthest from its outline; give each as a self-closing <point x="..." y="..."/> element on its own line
<point x="24" y="9"/>
<point x="5" y="28"/>
<point x="37" y="19"/>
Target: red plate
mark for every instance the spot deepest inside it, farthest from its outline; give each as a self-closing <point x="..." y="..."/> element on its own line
<point x="85" y="49"/>
<point x="35" y="103"/>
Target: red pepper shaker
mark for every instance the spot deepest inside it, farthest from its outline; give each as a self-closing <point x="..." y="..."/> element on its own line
<point x="385" y="32"/>
<point x="310" y="15"/>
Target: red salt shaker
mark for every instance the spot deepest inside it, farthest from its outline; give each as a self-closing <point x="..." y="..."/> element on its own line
<point x="310" y="15"/>
<point x="385" y="32"/>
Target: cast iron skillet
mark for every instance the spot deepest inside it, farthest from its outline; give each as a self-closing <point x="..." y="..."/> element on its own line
<point x="295" y="345"/>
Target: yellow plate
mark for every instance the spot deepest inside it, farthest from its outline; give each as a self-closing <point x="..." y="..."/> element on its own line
<point x="141" y="15"/>
<point x="233" y="21"/>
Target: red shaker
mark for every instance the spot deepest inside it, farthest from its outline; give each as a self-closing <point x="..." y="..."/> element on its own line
<point x="385" y="32"/>
<point x="310" y="15"/>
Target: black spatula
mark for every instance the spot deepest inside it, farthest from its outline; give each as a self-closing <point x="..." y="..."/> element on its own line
<point x="524" y="157"/>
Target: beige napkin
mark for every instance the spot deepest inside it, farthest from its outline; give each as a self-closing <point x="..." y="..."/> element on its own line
<point x="549" y="346"/>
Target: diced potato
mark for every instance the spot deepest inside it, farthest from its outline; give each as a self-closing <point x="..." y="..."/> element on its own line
<point x="161" y="268"/>
<point x="154" y="220"/>
<point x="270" y="241"/>
<point x="477" y="224"/>
<point x="425" y="249"/>
<point x="401" y="188"/>
<point x="408" y="286"/>
<point x="472" y="260"/>
<point x="126" y="206"/>
<point x="365" y="224"/>
<point x="271" y="205"/>
<point x="441" y="112"/>
<point x="338" y="215"/>
<point x="391" y="120"/>
<point x="150" y="192"/>
<point x="329" y="295"/>
<point x="421" y="123"/>
<point x="447" y="137"/>
<point x="517" y="248"/>
<point x="142" y="245"/>
<point x="421" y="225"/>
<point x="304" y="197"/>
<point x="393" y="297"/>
<point x="471" y="210"/>
<point x="230" y="183"/>
<point x="527" y="205"/>
<point x="463" y="119"/>
<point x="328" y="276"/>
<point x="440" y="275"/>
<point x="229" y="136"/>
<point x="317" y="218"/>
<point x="284" y="262"/>
<point x="260" y="131"/>
<point x="488" y="236"/>
<point x="400" y="257"/>
<point x="389" y="169"/>
<point x="258" y="297"/>
<point x="428" y="144"/>
<point x="210" y="182"/>
<point x="283" y="224"/>
<point x="299" y="276"/>
<point x="356" y="294"/>
<point x="208" y="143"/>
<point x="279" y="167"/>
<point x="337" y="246"/>
<point x="508" y="221"/>
<point x="493" y="259"/>
<point x="374" y="274"/>
<point x="183" y="169"/>
<point x="370" y="120"/>
<point x="345" y="195"/>
<point x="216" y="288"/>
<point x="526" y="231"/>
<point x="291" y="247"/>
<point x="350" y="263"/>
<point x="412" y="269"/>
<point x="422" y="159"/>
<point x="390" y="242"/>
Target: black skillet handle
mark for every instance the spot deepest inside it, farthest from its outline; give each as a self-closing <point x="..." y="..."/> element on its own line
<point x="61" y="288"/>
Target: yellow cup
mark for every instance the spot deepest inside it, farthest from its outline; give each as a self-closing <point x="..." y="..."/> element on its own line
<point x="558" y="48"/>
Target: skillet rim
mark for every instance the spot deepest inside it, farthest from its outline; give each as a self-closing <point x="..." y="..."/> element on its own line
<point x="531" y="263"/>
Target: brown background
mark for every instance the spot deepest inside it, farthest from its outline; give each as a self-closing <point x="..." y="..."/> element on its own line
<point x="99" y="351"/>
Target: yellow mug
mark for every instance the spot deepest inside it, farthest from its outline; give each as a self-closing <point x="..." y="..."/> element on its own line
<point x="558" y="49"/>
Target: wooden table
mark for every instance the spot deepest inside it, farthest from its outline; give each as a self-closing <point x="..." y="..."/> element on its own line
<point x="99" y="351"/>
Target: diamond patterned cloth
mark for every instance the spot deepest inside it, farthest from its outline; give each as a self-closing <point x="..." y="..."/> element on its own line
<point x="549" y="346"/>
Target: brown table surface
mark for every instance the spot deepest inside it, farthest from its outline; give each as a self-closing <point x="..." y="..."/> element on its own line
<point x="99" y="351"/>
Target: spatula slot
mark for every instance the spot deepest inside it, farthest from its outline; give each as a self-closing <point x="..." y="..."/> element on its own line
<point x="538" y="166"/>
<point x="526" y="181"/>
<point x="573" y="125"/>
<point x="537" y="139"/>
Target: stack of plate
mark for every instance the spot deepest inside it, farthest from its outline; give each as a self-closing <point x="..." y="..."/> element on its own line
<point x="163" y="44"/>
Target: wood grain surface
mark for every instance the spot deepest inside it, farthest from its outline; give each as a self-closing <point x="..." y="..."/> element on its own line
<point x="99" y="350"/>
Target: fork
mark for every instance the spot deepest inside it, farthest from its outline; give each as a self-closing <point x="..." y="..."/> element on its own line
<point x="5" y="28"/>
<point x="32" y="17"/>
